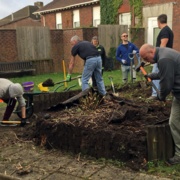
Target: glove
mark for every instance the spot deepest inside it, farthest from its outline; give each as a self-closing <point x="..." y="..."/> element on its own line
<point x="134" y="52"/>
<point x="23" y="122"/>
<point x="123" y="61"/>
<point x="68" y="78"/>
<point x="146" y="76"/>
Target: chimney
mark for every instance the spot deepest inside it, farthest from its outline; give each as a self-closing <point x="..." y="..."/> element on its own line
<point x="38" y="4"/>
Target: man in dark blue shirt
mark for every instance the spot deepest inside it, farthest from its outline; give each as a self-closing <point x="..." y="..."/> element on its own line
<point x="122" y="55"/>
<point x="93" y="63"/>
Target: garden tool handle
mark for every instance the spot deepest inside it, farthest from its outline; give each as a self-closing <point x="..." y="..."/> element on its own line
<point x="145" y="73"/>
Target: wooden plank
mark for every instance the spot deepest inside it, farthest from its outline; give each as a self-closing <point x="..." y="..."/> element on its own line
<point x="152" y="143"/>
<point x="161" y="142"/>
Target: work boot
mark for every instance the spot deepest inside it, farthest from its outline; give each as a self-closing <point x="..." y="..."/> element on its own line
<point x="174" y="160"/>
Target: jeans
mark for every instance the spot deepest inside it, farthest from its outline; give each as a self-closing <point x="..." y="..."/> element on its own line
<point x="10" y="107"/>
<point x="94" y="84"/>
<point x="93" y="65"/>
<point x="125" y="71"/>
<point x="174" y="123"/>
<point x="156" y="82"/>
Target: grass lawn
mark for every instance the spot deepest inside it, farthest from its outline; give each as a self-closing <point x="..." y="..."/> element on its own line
<point x="56" y="77"/>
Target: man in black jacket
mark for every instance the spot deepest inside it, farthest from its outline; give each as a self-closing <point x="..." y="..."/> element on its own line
<point x="168" y="61"/>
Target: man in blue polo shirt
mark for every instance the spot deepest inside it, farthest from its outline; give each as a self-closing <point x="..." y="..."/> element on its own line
<point x="122" y="55"/>
<point x="93" y="63"/>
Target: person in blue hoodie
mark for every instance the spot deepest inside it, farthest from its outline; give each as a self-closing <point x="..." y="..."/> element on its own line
<point x="122" y="55"/>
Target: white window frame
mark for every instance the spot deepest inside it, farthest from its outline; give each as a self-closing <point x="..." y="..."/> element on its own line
<point x="96" y="16"/>
<point x="58" y="21"/>
<point x="125" y="19"/>
<point x="76" y="19"/>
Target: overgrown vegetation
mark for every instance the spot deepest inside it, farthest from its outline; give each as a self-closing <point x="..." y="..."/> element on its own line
<point x="109" y="11"/>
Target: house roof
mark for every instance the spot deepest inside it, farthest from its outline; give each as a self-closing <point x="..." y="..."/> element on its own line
<point x="21" y="14"/>
<point x="57" y="5"/>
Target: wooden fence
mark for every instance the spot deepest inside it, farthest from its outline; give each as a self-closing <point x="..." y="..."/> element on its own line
<point x="33" y="43"/>
<point x="109" y="35"/>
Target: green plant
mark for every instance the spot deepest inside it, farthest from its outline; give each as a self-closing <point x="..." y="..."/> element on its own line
<point x="109" y="11"/>
<point x="136" y="6"/>
<point x="90" y="102"/>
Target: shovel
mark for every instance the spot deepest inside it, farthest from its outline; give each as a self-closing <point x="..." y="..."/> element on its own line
<point x="112" y="85"/>
<point x="50" y="83"/>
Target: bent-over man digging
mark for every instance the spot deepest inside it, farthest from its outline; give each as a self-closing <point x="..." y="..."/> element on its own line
<point x="93" y="63"/>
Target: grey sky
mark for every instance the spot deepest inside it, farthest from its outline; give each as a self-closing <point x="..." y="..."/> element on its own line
<point x="8" y="7"/>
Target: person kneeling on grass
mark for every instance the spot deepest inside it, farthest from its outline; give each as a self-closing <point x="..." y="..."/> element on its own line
<point x="10" y="93"/>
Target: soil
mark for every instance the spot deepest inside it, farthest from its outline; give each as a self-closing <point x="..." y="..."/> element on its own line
<point x="112" y="128"/>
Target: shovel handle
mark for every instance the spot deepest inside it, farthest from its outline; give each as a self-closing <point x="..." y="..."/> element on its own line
<point x="144" y="73"/>
<point x="11" y="122"/>
<point x="68" y="81"/>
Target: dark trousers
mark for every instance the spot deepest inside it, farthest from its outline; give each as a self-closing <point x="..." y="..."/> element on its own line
<point x="10" y="107"/>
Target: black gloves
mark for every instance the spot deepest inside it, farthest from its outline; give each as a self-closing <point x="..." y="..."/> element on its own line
<point x="23" y="122"/>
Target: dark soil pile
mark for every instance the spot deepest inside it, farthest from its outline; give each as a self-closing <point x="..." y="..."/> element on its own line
<point x="114" y="129"/>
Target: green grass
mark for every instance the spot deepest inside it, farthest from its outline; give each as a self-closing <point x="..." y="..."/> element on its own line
<point x="56" y="77"/>
<point x="160" y="168"/>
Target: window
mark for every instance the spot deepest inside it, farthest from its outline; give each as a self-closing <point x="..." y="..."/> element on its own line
<point x="58" y="21"/>
<point x="76" y="21"/>
<point x="156" y="31"/>
<point x="125" y="19"/>
<point x="96" y="16"/>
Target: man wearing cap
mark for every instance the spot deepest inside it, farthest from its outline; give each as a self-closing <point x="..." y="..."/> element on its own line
<point x="10" y="93"/>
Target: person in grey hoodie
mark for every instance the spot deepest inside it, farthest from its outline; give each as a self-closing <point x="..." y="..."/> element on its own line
<point x="10" y="93"/>
<point x="168" y="61"/>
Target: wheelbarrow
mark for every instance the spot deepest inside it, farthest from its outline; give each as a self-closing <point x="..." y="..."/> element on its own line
<point x="29" y="100"/>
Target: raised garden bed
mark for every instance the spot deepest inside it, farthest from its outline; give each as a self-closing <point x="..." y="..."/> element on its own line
<point x="114" y="129"/>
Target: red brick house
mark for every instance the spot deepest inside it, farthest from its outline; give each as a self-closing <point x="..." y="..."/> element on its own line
<point x="60" y="14"/>
<point x="23" y="17"/>
<point x="63" y="14"/>
<point x="150" y="11"/>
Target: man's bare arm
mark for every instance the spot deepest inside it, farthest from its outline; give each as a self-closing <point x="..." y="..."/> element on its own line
<point x="71" y="64"/>
<point x="164" y="42"/>
<point x="23" y="112"/>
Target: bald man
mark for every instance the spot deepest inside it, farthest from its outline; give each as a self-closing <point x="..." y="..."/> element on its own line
<point x="164" y="39"/>
<point x="168" y="61"/>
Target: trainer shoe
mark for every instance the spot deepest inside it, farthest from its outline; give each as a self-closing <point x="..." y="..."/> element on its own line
<point x="174" y="160"/>
<point x="152" y="98"/>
